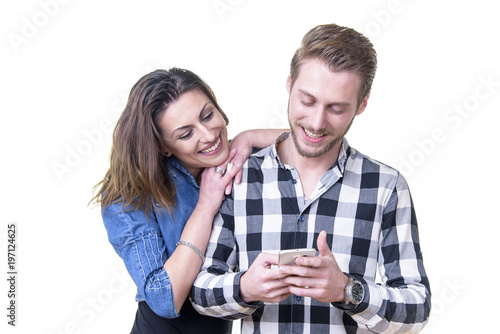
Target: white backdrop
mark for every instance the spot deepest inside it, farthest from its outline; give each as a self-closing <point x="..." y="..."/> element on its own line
<point x="66" y="70"/>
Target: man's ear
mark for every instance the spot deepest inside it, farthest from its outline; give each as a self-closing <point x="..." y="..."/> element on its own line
<point x="362" y="106"/>
<point x="288" y="83"/>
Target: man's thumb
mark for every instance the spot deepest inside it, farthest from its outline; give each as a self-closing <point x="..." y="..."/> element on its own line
<point x="323" y="248"/>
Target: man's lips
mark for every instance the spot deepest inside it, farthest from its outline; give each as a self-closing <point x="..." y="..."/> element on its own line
<point x="312" y="136"/>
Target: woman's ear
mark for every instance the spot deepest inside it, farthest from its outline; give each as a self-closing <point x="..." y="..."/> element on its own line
<point x="164" y="151"/>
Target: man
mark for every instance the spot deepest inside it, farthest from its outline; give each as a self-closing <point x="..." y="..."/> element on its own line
<point x="312" y="190"/>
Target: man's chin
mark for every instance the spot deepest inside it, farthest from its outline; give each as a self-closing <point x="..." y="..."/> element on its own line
<point x="307" y="154"/>
<point x="314" y="152"/>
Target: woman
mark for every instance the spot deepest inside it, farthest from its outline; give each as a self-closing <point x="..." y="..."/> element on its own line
<point x="165" y="184"/>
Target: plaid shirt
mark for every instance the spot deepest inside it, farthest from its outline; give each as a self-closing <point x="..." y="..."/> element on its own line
<point x="367" y="211"/>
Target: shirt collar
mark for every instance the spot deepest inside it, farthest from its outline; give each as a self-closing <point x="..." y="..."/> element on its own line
<point x="345" y="150"/>
<point x="274" y="148"/>
<point x="341" y="161"/>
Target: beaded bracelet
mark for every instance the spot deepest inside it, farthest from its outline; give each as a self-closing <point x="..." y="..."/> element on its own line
<point x="193" y="247"/>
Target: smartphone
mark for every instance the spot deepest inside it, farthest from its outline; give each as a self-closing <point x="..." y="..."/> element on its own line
<point x="288" y="256"/>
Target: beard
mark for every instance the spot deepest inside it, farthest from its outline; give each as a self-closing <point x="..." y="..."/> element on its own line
<point x="314" y="154"/>
<point x="336" y="138"/>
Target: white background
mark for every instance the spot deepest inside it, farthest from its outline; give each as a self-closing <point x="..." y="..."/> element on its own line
<point x="66" y="69"/>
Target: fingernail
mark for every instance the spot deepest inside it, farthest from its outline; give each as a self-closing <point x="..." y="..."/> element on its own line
<point x="228" y="168"/>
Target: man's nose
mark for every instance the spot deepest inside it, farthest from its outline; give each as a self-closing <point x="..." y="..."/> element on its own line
<point x="318" y="119"/>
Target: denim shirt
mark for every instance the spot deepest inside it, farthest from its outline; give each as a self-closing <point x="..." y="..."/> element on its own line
<point x="145" y="246"/>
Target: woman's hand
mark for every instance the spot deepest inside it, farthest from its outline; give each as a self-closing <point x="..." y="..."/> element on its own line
<point x="244" y="143"/>
<point x="213" y="185"/>
<point x="242" y="146"/>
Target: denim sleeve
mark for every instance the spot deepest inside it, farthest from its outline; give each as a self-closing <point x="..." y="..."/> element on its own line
<point x="141" y="246"/>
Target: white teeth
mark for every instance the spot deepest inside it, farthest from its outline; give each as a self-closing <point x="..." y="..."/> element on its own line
<point x="213" y="148"/>
<point x="311" y="134"/>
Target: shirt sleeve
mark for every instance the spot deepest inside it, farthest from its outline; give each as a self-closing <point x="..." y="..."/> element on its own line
<point x="402" y="303"/>
<point x="138" y="241"/>
<point x="216" y="289"/>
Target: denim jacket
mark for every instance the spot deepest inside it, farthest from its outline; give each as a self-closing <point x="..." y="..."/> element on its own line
<point x="145" y="246"/>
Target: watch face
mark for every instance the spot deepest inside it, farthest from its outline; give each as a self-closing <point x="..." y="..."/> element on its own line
<point x="357" y="292"/>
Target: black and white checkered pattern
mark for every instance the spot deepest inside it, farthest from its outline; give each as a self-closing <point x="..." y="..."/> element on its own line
<point x="366" y="209"/>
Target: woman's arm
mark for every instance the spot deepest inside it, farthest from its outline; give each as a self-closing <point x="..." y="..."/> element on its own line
<point x="137" y="239"/>
<point x="165" y="281"/>
<point x="257" y="137"/>
<point x="244" y="143"/>
<point x="142" y="247"/>
<point x="184" y="264"/>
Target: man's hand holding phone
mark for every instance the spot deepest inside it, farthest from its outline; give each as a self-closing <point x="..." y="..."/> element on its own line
<point x="261" y="283"/>
<point x="318" y="277"/>
<point x="297" y="271"/>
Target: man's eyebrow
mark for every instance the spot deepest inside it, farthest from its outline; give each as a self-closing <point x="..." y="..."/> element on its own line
<point x="188" y="126"/>
<point x="314" y="98"/>
<point x="307" y="93"/>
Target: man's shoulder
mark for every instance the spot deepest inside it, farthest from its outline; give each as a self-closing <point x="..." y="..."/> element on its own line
<point x="265" y="157"/>
<point x="361" y="163"/>
<point x="258" y="156"/>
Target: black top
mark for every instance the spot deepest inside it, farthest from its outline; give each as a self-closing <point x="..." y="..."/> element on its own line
<point x="189" y="321"/>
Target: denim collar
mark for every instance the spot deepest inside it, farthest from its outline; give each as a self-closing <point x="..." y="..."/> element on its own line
<point x="175" y="169"/>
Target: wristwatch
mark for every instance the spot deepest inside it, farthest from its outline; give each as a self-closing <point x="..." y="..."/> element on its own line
<point x="354" y="292"/>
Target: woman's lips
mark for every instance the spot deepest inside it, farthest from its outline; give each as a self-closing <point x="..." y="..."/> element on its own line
<point x="212" y="148"/>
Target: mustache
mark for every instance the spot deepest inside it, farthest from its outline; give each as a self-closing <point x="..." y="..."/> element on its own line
<point x="320" y="132"/>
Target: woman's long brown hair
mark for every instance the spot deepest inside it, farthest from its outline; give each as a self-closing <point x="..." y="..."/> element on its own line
<point x="138" y="176"/>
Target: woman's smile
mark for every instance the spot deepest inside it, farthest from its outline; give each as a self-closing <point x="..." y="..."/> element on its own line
<point x="214" y="147"/>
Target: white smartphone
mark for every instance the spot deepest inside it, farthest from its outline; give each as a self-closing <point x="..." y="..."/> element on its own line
<point x="288" y="256"/>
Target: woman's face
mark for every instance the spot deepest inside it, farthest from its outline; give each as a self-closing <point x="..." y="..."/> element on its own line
<point x="195" y="132"/>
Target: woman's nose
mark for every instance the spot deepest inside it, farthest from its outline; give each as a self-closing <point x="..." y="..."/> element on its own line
<point x="208" y="134"/>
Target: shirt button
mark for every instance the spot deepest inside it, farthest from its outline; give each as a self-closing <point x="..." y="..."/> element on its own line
<point x="301" y="219"/>
<point x="298" y="298"/>
<point x="294" y="181"/>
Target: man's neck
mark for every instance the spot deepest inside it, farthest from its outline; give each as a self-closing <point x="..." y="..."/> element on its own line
<point x="310" y="170"/>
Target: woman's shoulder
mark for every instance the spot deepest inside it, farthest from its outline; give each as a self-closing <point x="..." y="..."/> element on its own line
<point x="125" y="223"/>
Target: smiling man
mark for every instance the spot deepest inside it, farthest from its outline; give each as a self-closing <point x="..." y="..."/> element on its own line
<point x="312" y="190"/>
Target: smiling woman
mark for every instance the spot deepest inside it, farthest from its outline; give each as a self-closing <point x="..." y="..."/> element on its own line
<point x="195" y="132"/>
<point x="163" y="189"/>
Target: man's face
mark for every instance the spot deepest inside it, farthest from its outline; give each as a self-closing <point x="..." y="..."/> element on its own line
<point x="321" y="107"/>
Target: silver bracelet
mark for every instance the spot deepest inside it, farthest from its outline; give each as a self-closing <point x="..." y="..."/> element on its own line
<point x="193" y="247"/>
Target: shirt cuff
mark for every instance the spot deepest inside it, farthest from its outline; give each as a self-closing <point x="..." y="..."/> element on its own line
<point x="367" y="311"/>
<point x="236" y="294"/>
<point x="351" y="308"/>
